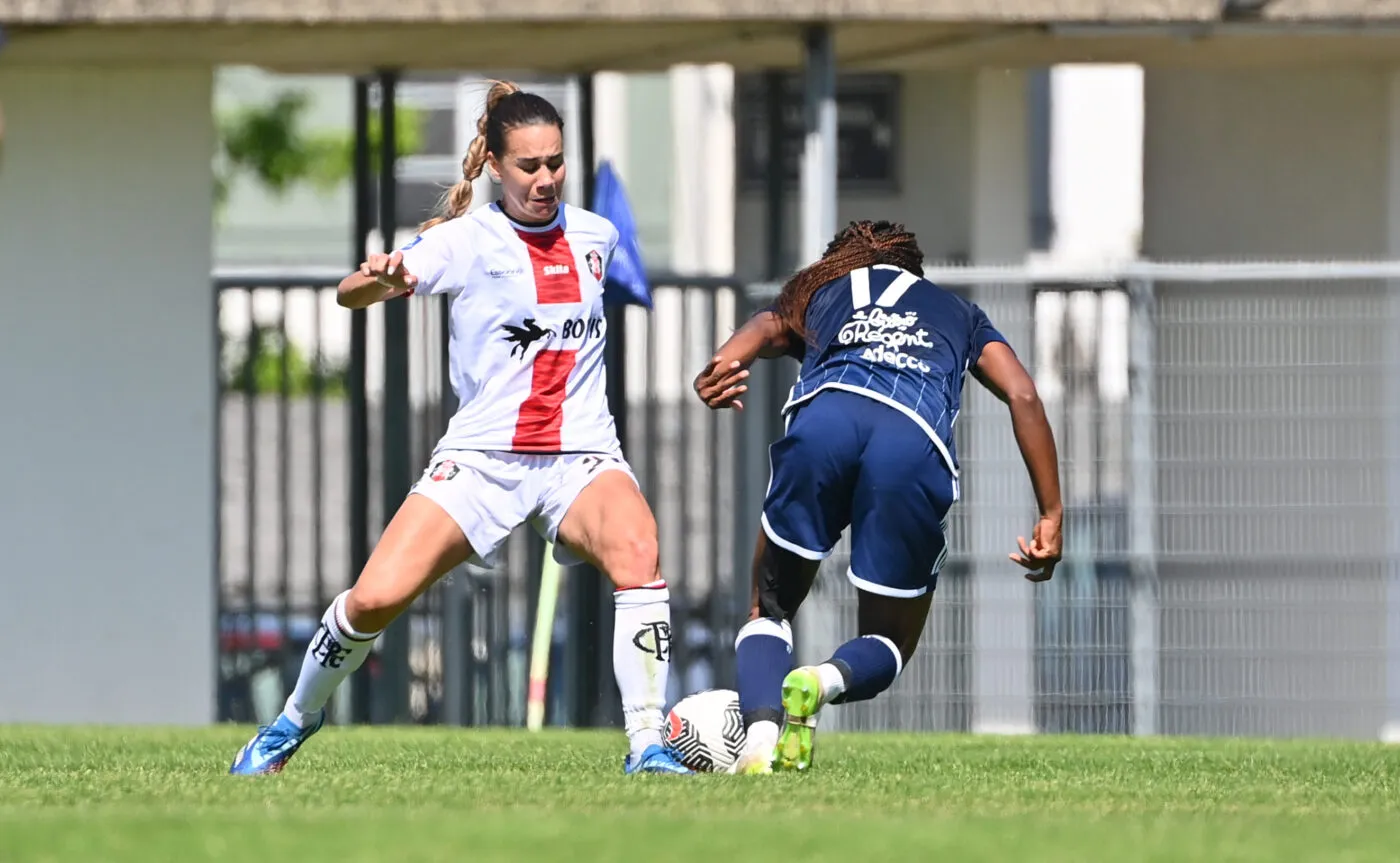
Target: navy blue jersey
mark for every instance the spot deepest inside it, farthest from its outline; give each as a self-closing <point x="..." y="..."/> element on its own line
<point x="895" y="337"/>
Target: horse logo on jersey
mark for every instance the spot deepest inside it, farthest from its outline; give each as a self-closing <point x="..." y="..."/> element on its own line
<point x="524" y="336"/>
<point x="595" y="264"/>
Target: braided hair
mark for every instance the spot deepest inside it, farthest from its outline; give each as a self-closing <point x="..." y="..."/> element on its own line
<point x="859" y="244"/>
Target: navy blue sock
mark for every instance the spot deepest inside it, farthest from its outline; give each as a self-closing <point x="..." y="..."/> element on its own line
<point x="762" y="658"/>
<point x="868" y="665"/>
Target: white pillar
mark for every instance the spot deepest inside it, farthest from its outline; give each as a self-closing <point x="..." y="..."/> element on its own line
<point x="702" y="211"/>
<point x="1096" y="161"/>
<point x="1000" y="168"/>
<point x="702" y="207"/>
<point x="818" y="171"/>
<point x="610" y="120"/>
<point x="998" y="499"/>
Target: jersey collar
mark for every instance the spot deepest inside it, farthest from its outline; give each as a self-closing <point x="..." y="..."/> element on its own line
<point x="551" y="225"/>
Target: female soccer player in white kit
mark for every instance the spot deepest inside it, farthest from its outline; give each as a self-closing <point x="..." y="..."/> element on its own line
<point x="532" y="441"/>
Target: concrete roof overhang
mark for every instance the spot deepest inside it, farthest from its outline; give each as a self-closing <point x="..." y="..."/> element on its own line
<point x="558" y="36"/>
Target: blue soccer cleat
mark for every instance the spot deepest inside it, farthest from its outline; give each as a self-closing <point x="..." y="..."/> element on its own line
<point x="654" y="759"/>
<point x="273" y="746"/>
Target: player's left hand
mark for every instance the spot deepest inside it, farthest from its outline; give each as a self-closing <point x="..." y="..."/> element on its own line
<point x="389" y="272"/>
<point x="1043" y="552"/>
<point x="720" y="384"/>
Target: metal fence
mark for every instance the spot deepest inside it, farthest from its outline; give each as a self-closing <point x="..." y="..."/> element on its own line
<point x="1227" y="435"/>
<point x="285" y="466"/>
<point x="1228" y="440"/>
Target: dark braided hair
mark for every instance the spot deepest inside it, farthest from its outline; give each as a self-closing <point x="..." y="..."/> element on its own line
<point x="859" y="244"/>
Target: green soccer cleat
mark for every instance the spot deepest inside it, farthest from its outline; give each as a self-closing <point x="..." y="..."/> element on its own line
<point x="802" y="699"/>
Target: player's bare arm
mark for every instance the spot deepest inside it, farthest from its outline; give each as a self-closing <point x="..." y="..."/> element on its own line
<point x="380" y="277"/>
<point x="721" y="382"/>
<point x="1000" y="371"/>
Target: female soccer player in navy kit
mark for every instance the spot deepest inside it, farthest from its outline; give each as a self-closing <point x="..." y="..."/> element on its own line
<point x="869" y="445"/>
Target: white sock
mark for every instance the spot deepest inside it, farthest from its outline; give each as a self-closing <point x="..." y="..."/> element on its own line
<point x="833" y="684"/>
<point x="335" y="651"/>
<point x="761" y="738"/>
<point x="642" y="659"/>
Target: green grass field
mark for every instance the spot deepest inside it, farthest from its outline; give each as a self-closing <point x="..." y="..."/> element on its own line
<point x="410" y="794"/>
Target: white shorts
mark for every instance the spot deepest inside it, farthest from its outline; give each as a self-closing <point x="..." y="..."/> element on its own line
<point x="490" y="494"/>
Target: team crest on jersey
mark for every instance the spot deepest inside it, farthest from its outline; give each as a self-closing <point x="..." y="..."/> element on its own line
<point x="444" y="470"/>
<point x="595" y="264"/>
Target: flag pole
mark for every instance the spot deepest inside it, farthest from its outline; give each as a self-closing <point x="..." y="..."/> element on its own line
<point x="543" y="638"/>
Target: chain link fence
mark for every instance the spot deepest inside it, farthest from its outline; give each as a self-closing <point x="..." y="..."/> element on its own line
<point x="1228" y="439"/>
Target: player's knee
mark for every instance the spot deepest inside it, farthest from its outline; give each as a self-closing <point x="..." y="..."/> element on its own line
<point x="372" y="608"/>
<point x="635" y="560"/>
<point x="904" y="641"/>
<point x="907" y="647"/>
<point x="771" y="604"/>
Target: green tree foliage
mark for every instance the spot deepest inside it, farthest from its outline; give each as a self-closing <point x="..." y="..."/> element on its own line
<point x="270" y="143"/>
<point x="266" y="355"/>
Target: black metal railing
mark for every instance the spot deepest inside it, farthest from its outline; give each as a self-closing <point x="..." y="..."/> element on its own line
<point x="282" y="477"/>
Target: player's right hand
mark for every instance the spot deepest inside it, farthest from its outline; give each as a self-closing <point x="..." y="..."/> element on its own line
<point x="1043" y="553"/>
<point x="720" y="384"/>
<point x="388" y="270"/>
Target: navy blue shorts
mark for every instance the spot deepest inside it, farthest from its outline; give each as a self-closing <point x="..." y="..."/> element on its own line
<point x="848" y="460"/>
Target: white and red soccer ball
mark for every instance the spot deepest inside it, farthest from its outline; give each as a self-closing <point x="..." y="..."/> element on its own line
<point x="706" y="730"/>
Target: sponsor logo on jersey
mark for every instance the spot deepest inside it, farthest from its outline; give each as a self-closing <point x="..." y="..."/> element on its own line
<point x="556" y="269"/>
<point x="583" y="328"/>
<point x="526" y="334"/>
<point x="529" y="332"/>
<point x="886" y="335"/>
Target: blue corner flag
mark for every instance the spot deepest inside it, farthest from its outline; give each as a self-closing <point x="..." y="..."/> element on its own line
<point x="626" y="281"/>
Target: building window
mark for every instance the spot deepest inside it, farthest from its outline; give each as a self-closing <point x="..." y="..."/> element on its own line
<point x="867" y="131"/>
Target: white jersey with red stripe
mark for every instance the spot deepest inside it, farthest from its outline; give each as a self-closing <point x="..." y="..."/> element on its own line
<point x="527" y="329"/>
